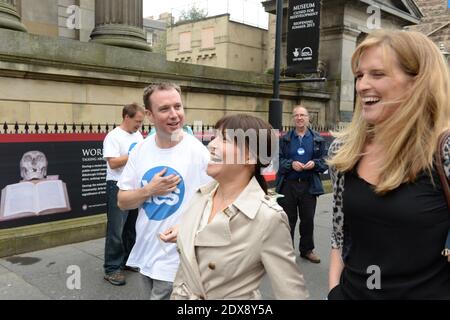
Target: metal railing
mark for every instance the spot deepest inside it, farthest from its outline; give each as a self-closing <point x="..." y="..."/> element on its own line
<point x="58" y="128"/>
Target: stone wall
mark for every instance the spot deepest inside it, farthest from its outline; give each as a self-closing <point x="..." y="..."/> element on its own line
<point x="45" y="79"/>
<point x="436" y="21"/>
<point x="40" y="19"/>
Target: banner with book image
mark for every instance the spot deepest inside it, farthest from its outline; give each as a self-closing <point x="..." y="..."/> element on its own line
<point x="49" y="177"/>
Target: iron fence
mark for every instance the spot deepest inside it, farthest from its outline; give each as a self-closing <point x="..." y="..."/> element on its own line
<point x="202" y="130"/>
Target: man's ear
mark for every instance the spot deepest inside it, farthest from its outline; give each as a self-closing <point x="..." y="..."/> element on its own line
<point x="149" y="114"/>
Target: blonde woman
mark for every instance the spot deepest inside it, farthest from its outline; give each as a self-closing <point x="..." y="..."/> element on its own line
<point x="391" y="220"/>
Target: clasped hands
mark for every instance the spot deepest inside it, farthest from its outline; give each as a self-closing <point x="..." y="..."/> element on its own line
<point x="298" y="166"/>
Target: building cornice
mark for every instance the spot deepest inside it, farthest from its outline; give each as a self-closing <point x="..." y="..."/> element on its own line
<point x="409" y="17"/>
<point x="412" y="17"/>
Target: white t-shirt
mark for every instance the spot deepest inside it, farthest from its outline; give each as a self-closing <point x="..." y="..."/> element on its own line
<point x="118" y="143"/>
<point x="188" y="159"/>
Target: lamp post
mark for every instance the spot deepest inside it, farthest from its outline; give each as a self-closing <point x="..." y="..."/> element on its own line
<point x="276" y="104"/>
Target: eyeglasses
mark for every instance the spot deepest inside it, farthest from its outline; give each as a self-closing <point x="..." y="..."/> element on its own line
<point x="301" y="115"/>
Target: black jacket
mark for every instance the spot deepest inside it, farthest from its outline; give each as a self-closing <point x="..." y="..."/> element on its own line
<point x="285" y="163"/>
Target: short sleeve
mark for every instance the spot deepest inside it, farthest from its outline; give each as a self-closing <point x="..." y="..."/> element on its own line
<point x="111" y="147"/>
<point x="129" y="179"/>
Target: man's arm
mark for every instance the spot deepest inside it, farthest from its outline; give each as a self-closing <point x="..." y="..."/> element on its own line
<point x="131" y="199"/>
<point x="320" y="164"/>
<point x="159" y="185"/>
<point x="117" y="162"/>
<point x="285" y="162"/>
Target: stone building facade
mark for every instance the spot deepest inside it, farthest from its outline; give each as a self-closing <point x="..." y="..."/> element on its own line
<point x="48" y="77"/>
<point x="156" y="30"/>
<point x="99" y="79"/>
<point x="217" y="41"/>
<point x="344" y="23"/>
<point x="435" y="23"/>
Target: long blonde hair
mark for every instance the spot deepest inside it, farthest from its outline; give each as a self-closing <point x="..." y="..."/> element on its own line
<point x="409" y="136"/>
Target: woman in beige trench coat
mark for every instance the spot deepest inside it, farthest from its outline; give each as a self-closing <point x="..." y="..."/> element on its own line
<point x="233" y="232"/>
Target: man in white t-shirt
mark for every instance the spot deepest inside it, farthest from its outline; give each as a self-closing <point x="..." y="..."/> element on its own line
<point x="160" y="177"/>
<point x="120" y="229"/>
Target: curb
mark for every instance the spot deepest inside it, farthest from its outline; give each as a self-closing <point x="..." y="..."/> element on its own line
<point x="51" y="234"/>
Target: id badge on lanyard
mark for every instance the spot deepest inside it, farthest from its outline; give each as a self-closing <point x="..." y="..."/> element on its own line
<point x="300" y="151"/>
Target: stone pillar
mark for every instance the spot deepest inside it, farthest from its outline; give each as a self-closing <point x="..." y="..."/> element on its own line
<point x="9" y="17"/>
<point x="119" y="23"/>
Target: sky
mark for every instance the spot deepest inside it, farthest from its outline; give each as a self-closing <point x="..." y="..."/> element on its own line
<point x="246" y="11"/>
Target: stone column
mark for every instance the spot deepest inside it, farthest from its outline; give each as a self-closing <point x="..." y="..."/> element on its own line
<point x="119" y="23"/>
<point x="9" y="17"/>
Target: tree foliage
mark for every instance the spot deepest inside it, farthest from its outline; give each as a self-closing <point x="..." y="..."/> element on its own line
<point x="194" y="13"/>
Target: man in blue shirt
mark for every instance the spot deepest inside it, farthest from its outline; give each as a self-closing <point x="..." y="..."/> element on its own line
<point x="302" y="158"/>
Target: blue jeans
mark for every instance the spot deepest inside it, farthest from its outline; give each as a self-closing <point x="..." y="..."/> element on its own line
<point x="120" y="231"/>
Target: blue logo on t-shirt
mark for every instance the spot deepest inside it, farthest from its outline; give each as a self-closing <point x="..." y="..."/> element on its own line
<point x="161" y="207"/>
<point x="132" y="146"/>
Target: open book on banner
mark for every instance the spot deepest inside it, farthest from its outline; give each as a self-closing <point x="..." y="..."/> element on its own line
<point x="33" y="198"/>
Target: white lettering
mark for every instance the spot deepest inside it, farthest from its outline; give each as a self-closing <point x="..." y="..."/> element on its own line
<point x="92" y="152"/>
<point x="74" y="19"/>
<point x="374" y="21"/>
<point x="74" y="281"/>
<point x="374" y="281"/>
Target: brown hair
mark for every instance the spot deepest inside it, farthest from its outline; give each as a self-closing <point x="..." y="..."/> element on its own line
<point x="131" y="109"/>
<point x="148" y="91"/>
<point x="247" y="122"/>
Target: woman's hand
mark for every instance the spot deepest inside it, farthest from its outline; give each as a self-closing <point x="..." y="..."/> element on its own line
<point x="170" y="235"/>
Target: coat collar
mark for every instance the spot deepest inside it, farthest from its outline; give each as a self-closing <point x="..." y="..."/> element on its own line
<point x="307" y="133"/>
<point x="248" y="201"/>
<point x="251" y="191"/>
<point x="291" y="135"/>
<point x="218" y="233"/>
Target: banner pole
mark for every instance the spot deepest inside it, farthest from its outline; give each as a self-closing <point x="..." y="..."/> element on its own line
<point x="276" y="104"/>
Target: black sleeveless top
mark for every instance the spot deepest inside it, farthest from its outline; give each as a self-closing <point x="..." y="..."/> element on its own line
<point x="398" y="236"/>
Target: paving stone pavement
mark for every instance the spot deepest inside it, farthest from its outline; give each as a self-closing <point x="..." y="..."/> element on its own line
<point x="48" y="274"/>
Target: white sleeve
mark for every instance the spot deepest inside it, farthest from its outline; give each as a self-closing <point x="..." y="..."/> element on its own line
<point x="111" y="147"/>
<point x="129" y="179"/>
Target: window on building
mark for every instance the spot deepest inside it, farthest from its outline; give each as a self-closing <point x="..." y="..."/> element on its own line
<point x="150" y="38"/>
<point x="185" y="41"/>
<point x="208" y="38"/>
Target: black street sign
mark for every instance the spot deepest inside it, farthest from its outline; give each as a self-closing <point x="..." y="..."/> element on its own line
<point x="303" y="36"/>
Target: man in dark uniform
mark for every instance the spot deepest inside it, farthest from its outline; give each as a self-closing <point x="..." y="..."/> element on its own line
<point x="302" y="158"/>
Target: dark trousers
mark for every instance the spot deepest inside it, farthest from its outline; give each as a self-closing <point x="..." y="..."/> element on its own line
<point x="120" y="231"/>
<point x="298" y="202"/>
